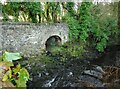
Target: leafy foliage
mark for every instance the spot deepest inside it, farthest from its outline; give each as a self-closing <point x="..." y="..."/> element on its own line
<point x="88" y="27"/>
<point x="69" y="50"/>
<point x="73" y="26"/>
<point x="13" y="73"/>
<point x="7" y="56"/>
<point x="34" y="12"/>
<point x="33" y="9"/>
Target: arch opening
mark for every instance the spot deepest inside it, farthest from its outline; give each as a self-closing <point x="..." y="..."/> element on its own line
<point x="53" y="42"/>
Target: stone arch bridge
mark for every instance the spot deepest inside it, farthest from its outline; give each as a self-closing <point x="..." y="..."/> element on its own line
<point x="30" y="38"/>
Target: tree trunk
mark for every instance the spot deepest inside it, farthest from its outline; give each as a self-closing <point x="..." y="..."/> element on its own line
<point x="39" y="18"/>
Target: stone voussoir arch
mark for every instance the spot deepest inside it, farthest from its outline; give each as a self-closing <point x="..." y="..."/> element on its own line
<point x="57" y="40"/>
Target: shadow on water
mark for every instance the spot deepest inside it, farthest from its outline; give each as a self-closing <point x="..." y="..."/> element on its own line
<point x="110" y="57"/>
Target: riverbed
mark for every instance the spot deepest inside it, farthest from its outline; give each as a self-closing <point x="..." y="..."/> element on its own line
<point x="102" y="71"/>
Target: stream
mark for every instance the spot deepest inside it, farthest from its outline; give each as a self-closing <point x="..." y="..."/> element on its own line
<point x="102" y="71"/>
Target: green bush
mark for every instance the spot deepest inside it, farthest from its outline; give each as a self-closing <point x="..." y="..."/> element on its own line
<point x="87" y="26"/>
<point x="69" y="50"/>
<point x="14" y="73"/>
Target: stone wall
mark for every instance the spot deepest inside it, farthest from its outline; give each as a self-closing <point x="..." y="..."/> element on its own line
<point x="0" y="29"/>
<point x="29" y="38"/>
<point x="1" y="38"/>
